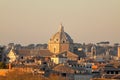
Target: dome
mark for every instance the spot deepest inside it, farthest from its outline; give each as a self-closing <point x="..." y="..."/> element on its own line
<point x="61" y="37"/>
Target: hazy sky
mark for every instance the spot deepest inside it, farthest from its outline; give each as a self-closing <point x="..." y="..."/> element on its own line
<point x="35" y="21"/>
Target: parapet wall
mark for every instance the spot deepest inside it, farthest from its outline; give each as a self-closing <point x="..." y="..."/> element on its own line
<point x="3" y="72"/>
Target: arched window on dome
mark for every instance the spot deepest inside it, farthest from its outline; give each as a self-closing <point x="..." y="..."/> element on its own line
<point x="63" y="41"/>
<point x="56" y="39"/>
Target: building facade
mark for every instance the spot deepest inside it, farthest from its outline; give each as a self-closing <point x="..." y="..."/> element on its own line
<point x="12" y="56"/>
<point x="118" y="54"/>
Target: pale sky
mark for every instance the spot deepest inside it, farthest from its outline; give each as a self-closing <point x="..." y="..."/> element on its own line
<point x="35" y="21"/>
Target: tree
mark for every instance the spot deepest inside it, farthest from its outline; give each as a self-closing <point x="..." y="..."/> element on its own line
<point x="2" y="65"/>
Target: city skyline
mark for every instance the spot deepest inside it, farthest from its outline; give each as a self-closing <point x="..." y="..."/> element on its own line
<point x="89" y="21"/>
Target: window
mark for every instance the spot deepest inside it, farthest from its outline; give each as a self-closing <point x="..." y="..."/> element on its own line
<point x="54" y="49"/>
<point x="21" y="57"/>
<point x="56" y="39"/>
<point x="112" y="72"/>
<point x="63" y="74"/>
<point x="107" y="72"/>
<point x="116" y="72"/>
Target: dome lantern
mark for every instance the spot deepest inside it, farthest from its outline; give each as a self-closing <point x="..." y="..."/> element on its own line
<point x="61" y="28"/>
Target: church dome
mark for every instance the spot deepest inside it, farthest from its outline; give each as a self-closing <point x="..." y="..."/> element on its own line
<point x="61" y="37"/>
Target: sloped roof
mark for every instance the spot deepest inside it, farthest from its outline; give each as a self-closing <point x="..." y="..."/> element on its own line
<point x="30" y="52"/>
<point x="63" y="68"/>
<point x="67" y="54"/>
<point x="62" y="54"/>
<point x="13" y="52"/>
<point x="24" y="52"/>
<point x="45" y="53"/>
<point x="71" y="54"/>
